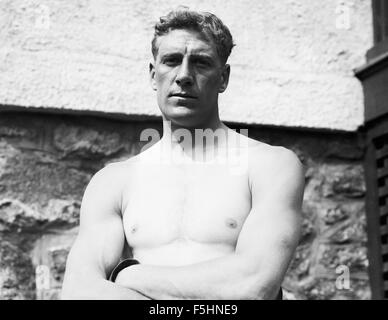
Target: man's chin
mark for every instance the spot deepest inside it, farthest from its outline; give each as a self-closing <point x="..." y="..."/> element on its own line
<point x="183" y="117"/>
<point x="180" y="111"/>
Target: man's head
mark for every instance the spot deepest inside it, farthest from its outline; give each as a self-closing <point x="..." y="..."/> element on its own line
<point x="203" y="22"/>
<point x="189" y="70"/>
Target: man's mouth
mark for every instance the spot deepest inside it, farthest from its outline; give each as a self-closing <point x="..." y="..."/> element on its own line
<point x="183" y="95"/>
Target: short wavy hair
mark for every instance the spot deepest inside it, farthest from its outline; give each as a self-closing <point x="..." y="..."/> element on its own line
<point x="203" y="22"/>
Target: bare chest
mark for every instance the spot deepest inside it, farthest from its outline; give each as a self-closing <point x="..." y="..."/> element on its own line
<point x="200" y="203"/>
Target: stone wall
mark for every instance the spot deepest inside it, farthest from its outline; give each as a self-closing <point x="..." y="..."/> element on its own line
<point x="47" y="160"/>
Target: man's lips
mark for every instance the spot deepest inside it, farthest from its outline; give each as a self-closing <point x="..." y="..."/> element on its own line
<point x="183" y="95"/>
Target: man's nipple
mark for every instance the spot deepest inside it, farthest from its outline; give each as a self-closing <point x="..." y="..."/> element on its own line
<point x="231" y="223"/>
<point x="133" y="229"/>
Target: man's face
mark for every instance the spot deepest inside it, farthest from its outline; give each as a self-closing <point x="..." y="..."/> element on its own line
<point x="188" y="76"/>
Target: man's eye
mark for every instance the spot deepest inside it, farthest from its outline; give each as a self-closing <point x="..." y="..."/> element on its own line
<point x="202" y="63"/>
<point x="171" y="61"/>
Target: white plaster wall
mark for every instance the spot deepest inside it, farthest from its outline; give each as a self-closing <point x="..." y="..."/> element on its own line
<point x="292" y="65"/>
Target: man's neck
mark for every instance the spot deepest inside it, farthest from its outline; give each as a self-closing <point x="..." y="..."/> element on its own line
<point x="191" y="140"/>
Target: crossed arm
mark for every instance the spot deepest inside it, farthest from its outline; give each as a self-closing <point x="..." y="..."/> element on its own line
<point x="264" y="249"/>
<point x="99" y="244"/>
<point x="255" y="270"/>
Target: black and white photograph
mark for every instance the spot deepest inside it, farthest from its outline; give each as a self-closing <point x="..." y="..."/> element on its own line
<point x="193" y="150"/>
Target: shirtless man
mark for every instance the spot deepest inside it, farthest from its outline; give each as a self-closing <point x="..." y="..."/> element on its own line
<point x="198" y="229"/>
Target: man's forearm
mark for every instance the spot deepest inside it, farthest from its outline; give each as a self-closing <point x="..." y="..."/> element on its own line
<point x="223" y="278"/>
<point x="100" y="290"/>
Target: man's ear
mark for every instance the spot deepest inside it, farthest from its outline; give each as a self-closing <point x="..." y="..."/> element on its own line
<point x="152" y="75"/>
<point x="224" y="78"/>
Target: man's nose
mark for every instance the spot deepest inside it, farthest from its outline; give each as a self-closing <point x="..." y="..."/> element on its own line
<point x="184" y="76"/>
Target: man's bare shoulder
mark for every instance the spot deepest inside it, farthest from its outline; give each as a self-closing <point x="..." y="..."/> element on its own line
<point x="276" y="174"/>
<point x="266" y="160"/>
<point x="117" y="173"/>
<point x="108" y="184"/>
<point x="112" y="171"/>
<point x="263" y="156"/>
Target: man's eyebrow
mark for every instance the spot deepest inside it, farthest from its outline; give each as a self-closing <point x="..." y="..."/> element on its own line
<point x="170" y="55"/>
<point x="202" y="56"/>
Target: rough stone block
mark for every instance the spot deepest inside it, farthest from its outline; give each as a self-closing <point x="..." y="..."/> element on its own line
<point x="333" y="215"/>
<point x="344" y="180"/>
<point x="351" y="231"/>
<point x="318" y="289"/>
<point x="63" y="212"/>
<point x="318" y="216"/>
<point x="353" y="256"/>
<point x="16" y="132"/>
<point x="35" y="178"/>
<point x="16" y="273"/>
<point x="6" y="152"/>
<point x="49" y="254"/>
<point x="346" y="149"/>
<point x="15" y="215"/>
<point x="24" y="136"/>
<point x="309" y="224"/>
<point x="58" y="258"/>
<point x="86" y="142"/>
<point x="300" y="265"/>
<point x="345" y="223"/>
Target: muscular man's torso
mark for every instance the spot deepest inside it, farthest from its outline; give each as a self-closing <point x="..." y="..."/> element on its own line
<point x="186" y="212"/>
